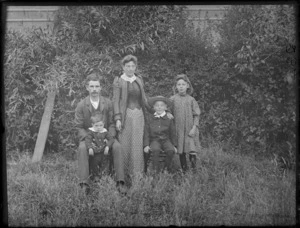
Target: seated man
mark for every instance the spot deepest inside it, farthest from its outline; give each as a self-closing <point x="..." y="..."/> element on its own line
<point x="160" y="133"/>
<point x="95" y="103"/>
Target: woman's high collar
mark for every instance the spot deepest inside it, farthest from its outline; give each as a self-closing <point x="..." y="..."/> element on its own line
<point x="128" y="79"/>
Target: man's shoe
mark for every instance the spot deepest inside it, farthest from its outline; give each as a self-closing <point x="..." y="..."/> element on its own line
<point x="85" y="187"/>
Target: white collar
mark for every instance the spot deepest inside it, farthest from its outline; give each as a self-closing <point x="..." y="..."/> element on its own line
<point x="128" y="79"/>
<point x="161" y="115"/>
<point x="92" y="129"/>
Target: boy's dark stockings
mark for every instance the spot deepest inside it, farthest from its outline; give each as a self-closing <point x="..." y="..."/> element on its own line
<point x="183" y="162"/>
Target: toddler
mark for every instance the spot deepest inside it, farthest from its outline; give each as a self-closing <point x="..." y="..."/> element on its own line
<point x="98" y="141"/>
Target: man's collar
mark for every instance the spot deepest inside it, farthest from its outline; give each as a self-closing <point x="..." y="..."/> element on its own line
<point x="128" y="79"/>
<point x="89" y="103"/>
<point x="92" y="129"/>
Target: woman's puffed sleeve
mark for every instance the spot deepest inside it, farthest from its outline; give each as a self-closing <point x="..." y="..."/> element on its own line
<point x="116" y="98"/>
<point x="196" y="112"/>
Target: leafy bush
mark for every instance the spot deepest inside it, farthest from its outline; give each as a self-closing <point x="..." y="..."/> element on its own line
<point x="260" y="76"/>
<point x="65" y="57"/>
<point x="245" y="84"/>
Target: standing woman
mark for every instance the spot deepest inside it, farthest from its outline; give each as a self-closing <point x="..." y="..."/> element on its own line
<point x="130" y="104"/>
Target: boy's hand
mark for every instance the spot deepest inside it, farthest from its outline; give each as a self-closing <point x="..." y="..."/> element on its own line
<point x="192" y="131"/>
<point x="106" y="150"/>
<point x="170" y="116"/>
<point x="118" y="125"/>
<point x="146" y="149"/>
<point x="91" y="152"/>
<point x="175" y="149"/>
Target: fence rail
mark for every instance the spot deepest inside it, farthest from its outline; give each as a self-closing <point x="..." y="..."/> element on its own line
<point x="25" y="17"/>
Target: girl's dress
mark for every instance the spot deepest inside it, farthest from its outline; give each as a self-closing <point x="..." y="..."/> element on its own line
<point x="186" y="114"/>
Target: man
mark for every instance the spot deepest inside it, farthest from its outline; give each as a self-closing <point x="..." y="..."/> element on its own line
<point x="95" y="103"/>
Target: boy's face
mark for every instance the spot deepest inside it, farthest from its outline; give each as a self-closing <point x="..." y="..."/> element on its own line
<point x="94" y="88"/>
<point x="98" y="126"/>
<point x="160" y="107"/>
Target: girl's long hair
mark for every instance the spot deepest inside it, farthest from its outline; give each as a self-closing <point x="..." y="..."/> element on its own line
<point x="184" y="77"/>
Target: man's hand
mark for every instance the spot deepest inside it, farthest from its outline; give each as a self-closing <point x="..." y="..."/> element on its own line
<point x="106" y="150"/>
<point x="192" y="131"/>
<point x="118" y="125"/>
<point x="170" y="116"/>
<point x="146" y="149"/>
<point x="91" y="152"/>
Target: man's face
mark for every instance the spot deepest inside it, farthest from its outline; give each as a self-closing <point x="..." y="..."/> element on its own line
<point x="160" y="107"/>
<point x="94" y="88"/>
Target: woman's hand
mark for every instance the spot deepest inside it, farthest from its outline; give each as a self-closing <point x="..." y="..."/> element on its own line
<point x="118" y="125"/>
<point x="91" y="152"/>
<point x="170" y="116"/>
<point x="146" y="149"/>
<point x="192" y="131"/>
<point x="175" y="149"/>
<point x="106" y="150"/>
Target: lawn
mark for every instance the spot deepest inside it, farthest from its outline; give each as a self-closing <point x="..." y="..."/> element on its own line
<point x="228" y="189"/>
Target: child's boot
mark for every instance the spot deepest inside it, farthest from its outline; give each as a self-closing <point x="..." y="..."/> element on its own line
<point x="193" y="160"/>
<point x="183" y="163"/>
<point x="168" y="160"/>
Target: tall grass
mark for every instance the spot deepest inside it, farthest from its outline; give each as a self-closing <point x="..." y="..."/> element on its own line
<point x="228" y="189"/>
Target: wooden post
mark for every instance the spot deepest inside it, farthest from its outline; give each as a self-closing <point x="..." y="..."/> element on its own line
<point x="44" y="127"/>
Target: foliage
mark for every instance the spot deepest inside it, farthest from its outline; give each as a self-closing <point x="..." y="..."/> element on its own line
<point x="245" y="84"/>
<point x="227" y="189"/>
<point x="250" y="97"/>
<point x="85" y="39"/>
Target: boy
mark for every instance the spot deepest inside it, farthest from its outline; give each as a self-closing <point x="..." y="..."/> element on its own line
<point x="98" y="141"/>
<point x="160" y="133"/>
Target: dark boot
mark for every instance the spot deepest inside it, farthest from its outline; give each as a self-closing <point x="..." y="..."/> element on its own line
<point x="183" y="163"/>
<point x="193" y="160"/>
<point x="155" y="161"/>
<point x="121" y="188"/>
<point x="168" y="160"/>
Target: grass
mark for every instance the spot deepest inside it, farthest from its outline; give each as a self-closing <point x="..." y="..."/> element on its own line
<point x="228" y="189"/>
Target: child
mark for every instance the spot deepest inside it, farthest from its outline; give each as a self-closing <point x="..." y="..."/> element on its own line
<point x="186" y="115"/>
<point x="160" y="133"/>
<point x="98" y="141"/>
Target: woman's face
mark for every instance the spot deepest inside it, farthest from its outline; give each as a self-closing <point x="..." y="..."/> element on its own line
<point x="129" y="68"/>
<point x="182" y="86"/>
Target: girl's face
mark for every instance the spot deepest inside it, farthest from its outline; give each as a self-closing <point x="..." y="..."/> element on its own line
<point x="182" y="86"/>
<point x="129" y="68"/>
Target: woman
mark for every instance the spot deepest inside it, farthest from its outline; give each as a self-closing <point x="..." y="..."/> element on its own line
<point x="130" y="105"/>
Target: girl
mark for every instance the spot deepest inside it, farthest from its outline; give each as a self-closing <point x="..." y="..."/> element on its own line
<point x="186" y="113"/>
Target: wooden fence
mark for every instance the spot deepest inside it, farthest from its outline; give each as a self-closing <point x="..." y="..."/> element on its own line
<point x="22" y="18"/>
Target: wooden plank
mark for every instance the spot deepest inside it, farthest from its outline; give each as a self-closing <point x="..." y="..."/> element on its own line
<point x="44" y="128"/>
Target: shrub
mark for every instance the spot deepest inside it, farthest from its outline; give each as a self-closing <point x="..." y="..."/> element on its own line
<point x="245" y="85"/>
